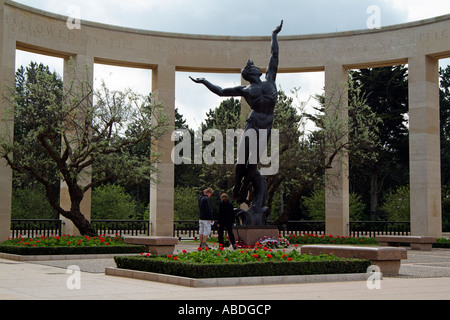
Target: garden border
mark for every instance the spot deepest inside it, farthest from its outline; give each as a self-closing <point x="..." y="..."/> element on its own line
<point x="55" y="257"/>
<point x="236" y="281"/>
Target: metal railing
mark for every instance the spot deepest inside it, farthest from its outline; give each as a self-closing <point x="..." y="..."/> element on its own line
<point x="121" y="227"/>
<point x="35" y="227"/>
<point x="373" y="228"/>
<point x="188" y="229"/>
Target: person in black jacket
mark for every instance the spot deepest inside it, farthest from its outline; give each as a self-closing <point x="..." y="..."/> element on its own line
<point x="226" y="220"/>
<point x="205" y="216"/>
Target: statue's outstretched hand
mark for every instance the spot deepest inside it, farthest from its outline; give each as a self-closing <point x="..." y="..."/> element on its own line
<point x="278" y="29"/>
<point x="197" y="80"/>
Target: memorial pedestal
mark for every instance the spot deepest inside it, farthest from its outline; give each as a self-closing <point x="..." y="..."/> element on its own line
<point x="249" y="235"/>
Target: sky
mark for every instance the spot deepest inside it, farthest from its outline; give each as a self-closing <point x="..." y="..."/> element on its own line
<point x="234" y="18"/>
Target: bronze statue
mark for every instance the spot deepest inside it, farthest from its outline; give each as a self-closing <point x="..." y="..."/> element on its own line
<point x="261" y="97"/>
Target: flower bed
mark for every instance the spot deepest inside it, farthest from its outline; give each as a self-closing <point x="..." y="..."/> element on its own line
<point x="68" y="244"/>
<point x="220" y="263"/>
<point x="329" y="239"/>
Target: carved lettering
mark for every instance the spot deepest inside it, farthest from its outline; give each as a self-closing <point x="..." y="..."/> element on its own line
<point x="34" y="30"/>
<point x="121" y="44"/>
<point x="413" y="40"/>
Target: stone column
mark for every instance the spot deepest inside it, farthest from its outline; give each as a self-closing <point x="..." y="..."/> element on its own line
<point x="84" y="71"/>
<point x="424" y="146"/>
<point x="7" y="70"/>
<point x="336" y="182"/>
<point x="162" y="191"/>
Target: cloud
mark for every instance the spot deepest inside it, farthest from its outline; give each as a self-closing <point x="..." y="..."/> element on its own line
<point x="419" y="9"/>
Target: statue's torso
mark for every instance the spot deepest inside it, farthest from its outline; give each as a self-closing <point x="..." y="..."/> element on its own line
<point x="262" y="96"/>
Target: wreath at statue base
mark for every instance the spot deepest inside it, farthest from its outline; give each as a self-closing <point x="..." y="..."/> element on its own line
<point x="249" y="235"/>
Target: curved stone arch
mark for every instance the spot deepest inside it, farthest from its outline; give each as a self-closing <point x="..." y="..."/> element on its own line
<point x="418" y="44"/>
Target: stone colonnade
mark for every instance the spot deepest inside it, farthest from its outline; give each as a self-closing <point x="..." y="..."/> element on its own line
<point x="418" y="44"/>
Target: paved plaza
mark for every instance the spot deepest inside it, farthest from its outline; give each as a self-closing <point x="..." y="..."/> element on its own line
<point x="425" y="275"/>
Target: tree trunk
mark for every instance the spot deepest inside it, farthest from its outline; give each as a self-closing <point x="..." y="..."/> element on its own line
<point x="79" y="220"/>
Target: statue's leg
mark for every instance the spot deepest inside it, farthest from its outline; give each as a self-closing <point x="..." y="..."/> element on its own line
<point x="247" y="179"/>
<point x="257" y="209"/>
<point x="241" y="168"/>
<point x="238" y="176"/>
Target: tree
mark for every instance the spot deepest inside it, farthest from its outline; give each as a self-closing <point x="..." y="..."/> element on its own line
<point x="335" y="135"/>
<point x="185" y="203"/>
<point x="186" y="175"/>
<point x="110" y="201"/>
<point x="30" y="203"/>
<point x="73" y="128"/>
<point x="288" y="121"/>
<point x="444" y="108"/>
<point x="226" y="116"/>
<point x="315" y="204"/>
<point x="396" y="204"/>
<point x="386" y="91"/>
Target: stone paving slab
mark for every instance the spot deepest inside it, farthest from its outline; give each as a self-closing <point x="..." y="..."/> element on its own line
<point x="32" y="281"/>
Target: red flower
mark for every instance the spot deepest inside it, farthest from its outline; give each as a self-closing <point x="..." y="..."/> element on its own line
<point x="199" y="249"/>
<point x="269" y="256"/>
<point x="184" y="251"/>
<point x="175" y="258"/>
<point x="289" y="259"/>
<point x="169" y="256"/>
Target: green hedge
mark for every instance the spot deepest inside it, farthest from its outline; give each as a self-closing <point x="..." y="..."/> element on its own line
<point x="221" y="270"/>
<point x="442" y="243"/>
<point x="72" y="250"/>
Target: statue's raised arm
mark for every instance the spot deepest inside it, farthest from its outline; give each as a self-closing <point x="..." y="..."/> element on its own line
<point x="273" y="62"/>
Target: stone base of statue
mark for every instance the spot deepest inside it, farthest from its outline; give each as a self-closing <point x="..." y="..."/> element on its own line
<point x="249" y="235"/>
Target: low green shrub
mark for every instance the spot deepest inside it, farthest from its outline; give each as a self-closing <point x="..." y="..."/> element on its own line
<point x="442" y="243"/>
<point x="68" y="244"/>
<point x="219" y="263"/>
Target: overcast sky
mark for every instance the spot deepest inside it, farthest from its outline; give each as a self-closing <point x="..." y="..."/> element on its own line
<point x="229" y="17"/>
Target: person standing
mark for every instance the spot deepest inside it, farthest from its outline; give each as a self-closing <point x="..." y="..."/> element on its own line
<point x="226" y="220"/>
<point x="205" y="216"/>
